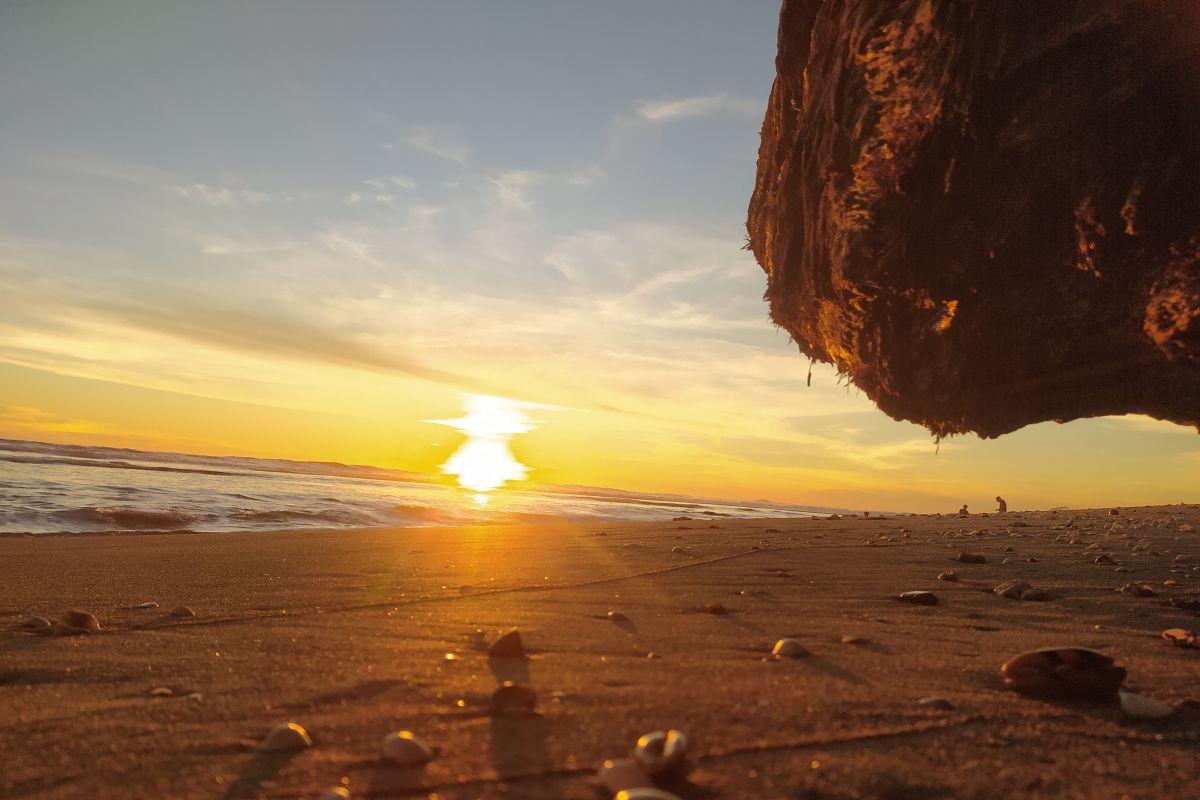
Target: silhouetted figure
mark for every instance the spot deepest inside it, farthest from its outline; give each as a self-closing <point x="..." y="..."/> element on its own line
<point x="1001" y="506"/>
<point x="962" y="512"/>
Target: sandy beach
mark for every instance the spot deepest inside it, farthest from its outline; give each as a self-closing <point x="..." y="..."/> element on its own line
<point x="349" y="635"/>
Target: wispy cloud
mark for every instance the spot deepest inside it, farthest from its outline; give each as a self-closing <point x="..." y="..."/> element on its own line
<point x="702" y="106"/>
<point x="385" y="182"/>
<point x="441" y="142"/>
<point x="221" y="195"/>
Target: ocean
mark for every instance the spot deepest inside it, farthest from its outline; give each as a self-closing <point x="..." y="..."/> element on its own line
<point x="56" y="488"/>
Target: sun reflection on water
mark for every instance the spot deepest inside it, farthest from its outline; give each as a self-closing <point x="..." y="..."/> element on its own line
<point x="485" y="462"/>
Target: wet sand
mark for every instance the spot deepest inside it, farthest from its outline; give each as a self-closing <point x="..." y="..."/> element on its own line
<point x="347" y="633"/>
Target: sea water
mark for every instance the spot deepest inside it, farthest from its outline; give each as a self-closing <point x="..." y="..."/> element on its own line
<point x="55" y="488"/>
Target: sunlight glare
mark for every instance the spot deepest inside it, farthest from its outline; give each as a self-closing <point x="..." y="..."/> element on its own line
<point x="485" y="462"/>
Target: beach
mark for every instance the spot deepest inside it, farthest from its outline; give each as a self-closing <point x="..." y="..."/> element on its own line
<point x="357" y="633"/>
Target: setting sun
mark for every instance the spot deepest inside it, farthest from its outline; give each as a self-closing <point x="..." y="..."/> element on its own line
<point x="485" y="462"/>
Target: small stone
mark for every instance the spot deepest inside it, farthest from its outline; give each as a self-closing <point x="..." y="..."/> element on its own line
<point x="617" y="616"/>
<point x="405" y="749"/>
<point x="161" y="691"/>
<point x="182" y="612"/>
<point x="662" y="754"/>
<point x="971" y="558"/>
<point x="716" y="608"/>
<point x="285" y="737"/>
<point x="645" y="793"/>
<point x="336" y="793"/>
<point x="789" y="648"/>
<point x="1066" y="673"/>
<point x="937" y="702"/>
<point x="919" y="598"/>
<point x="72" y="623"/>
<point x="36" y="624"/>
<point x="1011" y="589"/>
<point x="1142" y="707"/>
<point x="150" y="604"/>
<point x="854" y="640"/>
<point x="623" y="774"/>
<point x="1170" y="583"/>
<point x="1103" y="558"/>
<point x="512" y="699"/>
<point x="508" y="646"/>
<point x="948" y="575"/>
<point x="1180" y="637"/>
<point x="1137" y="589"/>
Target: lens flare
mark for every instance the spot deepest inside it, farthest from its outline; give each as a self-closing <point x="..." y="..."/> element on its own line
<point x="485" y="462"/>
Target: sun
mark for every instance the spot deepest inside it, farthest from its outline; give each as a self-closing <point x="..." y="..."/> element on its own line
<point x="485" y="462"/>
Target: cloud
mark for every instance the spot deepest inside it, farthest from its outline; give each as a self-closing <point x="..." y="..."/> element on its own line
<point x="222" y="196"/>
<point x="386" y="181"/>
<point x="513" y="186"/>
<point x="441" y="142"/>
<point x="656" y="111"/>
<point x="39" y="419"/>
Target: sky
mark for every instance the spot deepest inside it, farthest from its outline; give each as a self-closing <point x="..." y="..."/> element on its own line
<point x="300" y="229"/>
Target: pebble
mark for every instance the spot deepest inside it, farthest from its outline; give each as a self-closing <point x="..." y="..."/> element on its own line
<point x="508" y="646"/>
<point x="1142" y="707"/>
<point x="72" y="623"/>
<point x="623" y="774"/>
<point x="716" y="608"/>
<point x="1013" y="590"/>
<point x="1137" y="589"/>
<point x="284" y="737"/>
<point x="937" y="702"/>
<point x="182" y="612"/>
<point x="617" y="616"/>
<point x="948" y="575"/>
<point x="854" y="640"/>
<point x="405" y="749"/>
<point x="513" y="699"/>
<point x="150" y="604"/>
<point x="1180" y="637"/>
<point x="662" y="753"/>
<point x="971" y="558"/>
<point x="919" y="598"/>
<point x="1067" y="673"/>
<point x="161" y="691"/>
<point x="36" y="624"/>
<point x="336" y="793"/>
<point x="645" y="793"/>
<point x="789" y="648"/>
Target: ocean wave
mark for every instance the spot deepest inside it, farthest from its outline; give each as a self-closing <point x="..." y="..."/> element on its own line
<point x="128" y="518"/>
<point x="284" y="516"/>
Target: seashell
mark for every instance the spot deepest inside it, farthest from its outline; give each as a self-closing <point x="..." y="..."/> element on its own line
<point x="36" y="624"/>
<point x="789" y="648"/>
<point x="662" y="753"/>
<point x="336" y="793"/>
<point x="937" y="702"/>
<point x="513" y="699"/>
<point x="149" y="604"/>
<point x="508" y="646"/>
<point x="919" y="598"/>
<point x="405" y="749"/>
<point x="161" y="691"/>
<point x="1011" y="589"/>
<point x="971" y="558"/>
<point x="183" y="612"/>
<point x="949" y="575"/>
<point x="623" y="774"/>
<point x="1142" y="707"/>
<point x="645" y="793"/>
<point x="1068" y="673"/>
<point x="1180" y="637"/>
<point x="75" y="622"/>
<point x="284" y="737"/>
<point x="1137" y="589"/>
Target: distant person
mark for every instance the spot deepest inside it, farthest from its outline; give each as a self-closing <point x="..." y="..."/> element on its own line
<point x="1001" y="506"/>
<point x="962" y="512"/>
